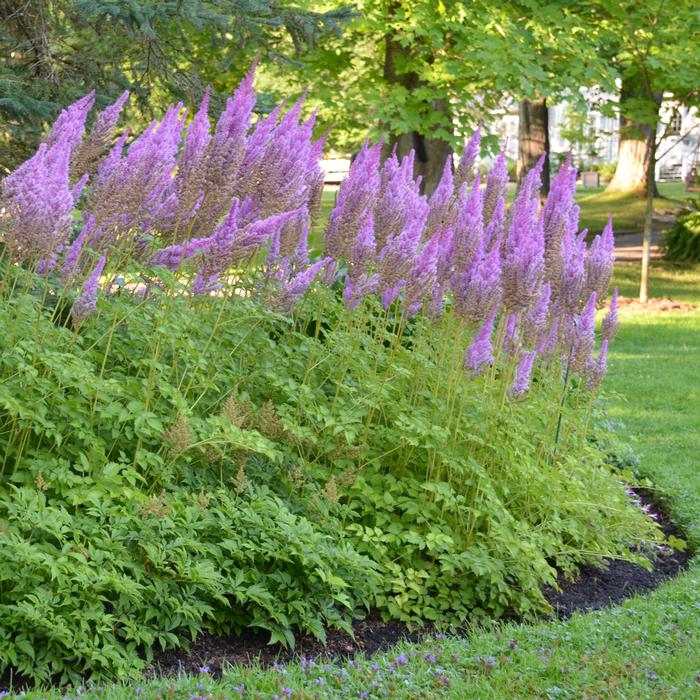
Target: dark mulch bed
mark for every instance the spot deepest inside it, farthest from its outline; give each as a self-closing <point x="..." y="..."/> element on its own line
<point x="595" y="588"/>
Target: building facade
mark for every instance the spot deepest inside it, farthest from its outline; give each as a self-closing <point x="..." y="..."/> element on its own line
<point x="593" y="137"/>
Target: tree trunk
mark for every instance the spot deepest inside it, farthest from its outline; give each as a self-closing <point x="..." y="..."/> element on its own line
<point x="533" y="139"/>
<point x="431" y="153"/>
<point x="636" y="155"/>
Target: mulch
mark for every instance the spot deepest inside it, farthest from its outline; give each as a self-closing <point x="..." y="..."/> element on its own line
<point x="662" y="304"/>
<point x="595" y="588"/>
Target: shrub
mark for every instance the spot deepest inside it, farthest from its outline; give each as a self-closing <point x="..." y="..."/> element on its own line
<point x="198" y="409"/>
<point x="682" y="241"/>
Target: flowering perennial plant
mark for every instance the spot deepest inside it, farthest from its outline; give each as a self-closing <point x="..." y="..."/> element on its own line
<point x="209" y="201"/>
<point x="417" y="375"/>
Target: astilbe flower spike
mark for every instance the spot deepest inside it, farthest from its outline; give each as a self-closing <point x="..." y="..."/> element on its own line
<point x="611" y="321"/>
<point x="86" y="302"/>
<point x="357" y="194"/>
<point x="479" y="354"/>
<point x="398" y="198"/>
<point x="360" y="281"/>
<point x="523" y="247"/>
<point x="464" y="172"/>
<point x="597" y="369"/>
<point x="297" y="286"/>
<point x="599" y="262"/>
<point x="512" y="333"/>
<point x="39" y="201"/>
<point x="440" y="202"/>
<point x="560" y="218"/>
<point x="523" y="374"/>
<point x="477" y="290"/>
<point x="496" y="184"/>
<point x="568" y="290"/>
<point x="87" y="153"/>
<point x="468" y="226"/>
<point x="584" y="335"/>
<point x="70" y="125"/>
<point x="72" y="255"/>
<point x="396" y="260"/>
<point x="536" y="318"/>
<point x="423" y="276"/>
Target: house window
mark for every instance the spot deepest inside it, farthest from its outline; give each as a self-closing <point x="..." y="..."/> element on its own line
<point x="674" y="127"/>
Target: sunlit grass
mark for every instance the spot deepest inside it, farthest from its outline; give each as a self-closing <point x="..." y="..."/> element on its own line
<point x="678" y="281"/>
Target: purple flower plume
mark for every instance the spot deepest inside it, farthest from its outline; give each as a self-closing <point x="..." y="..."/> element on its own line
<point x="523" y="373"/>
<point x="38" y="199"/>
<point x="440" y="203"/>
<point x="296" y="287"/>
<point x="399" y="198"/>
<point x="87" y="152"/>
<point x="496" y="183"/>
<point x="468" y="226"/>
<point x="396" y="260"/>
<point x="597" y="369"/>
<point x="536" y="318"/>
<point x="357" y="194"/>
<point x="423" y="276"/>
<point x="611" y="322"/>
<point x="523" y="247"/>
<point x="463" y="173"/>
<point x="69" y="127"/>
<point x="71" y="257"/>
<point x="584" y="335"/>
<point x="86" y="302"/>
<point x="560" y="215"/>
<point x="477" y="289"/>
<point x="479" y="353"/>
<point x="599" y="262"/>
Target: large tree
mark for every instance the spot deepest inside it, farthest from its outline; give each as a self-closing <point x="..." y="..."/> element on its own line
<point x="422" y="74"/>
<point x="654" y="47"/>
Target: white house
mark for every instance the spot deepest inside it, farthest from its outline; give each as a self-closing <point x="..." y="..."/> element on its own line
<point x="678" y="148"/>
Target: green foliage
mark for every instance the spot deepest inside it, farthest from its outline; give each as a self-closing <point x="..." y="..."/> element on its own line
<point x="682" y="241"/>
<point x="183" y="463"/>
<point x="51" y="49"/>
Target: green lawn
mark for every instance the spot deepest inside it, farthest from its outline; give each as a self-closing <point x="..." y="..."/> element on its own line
<point x="648" y="647"/>
<point x="628" y="211"/>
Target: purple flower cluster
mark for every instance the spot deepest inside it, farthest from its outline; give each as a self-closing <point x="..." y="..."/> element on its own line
<point x="204" y="199"/>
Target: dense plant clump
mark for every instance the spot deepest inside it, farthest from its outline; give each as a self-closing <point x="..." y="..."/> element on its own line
<point x="682" y="241"/>
<point x="207" y="424"/>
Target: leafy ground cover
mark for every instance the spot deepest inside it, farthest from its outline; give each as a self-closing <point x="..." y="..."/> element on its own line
<point x="649" y="647"/>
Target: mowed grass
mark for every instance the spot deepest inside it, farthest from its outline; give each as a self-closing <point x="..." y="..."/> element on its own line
<point x="649" y="647"/>
<point x="628" y="210"/>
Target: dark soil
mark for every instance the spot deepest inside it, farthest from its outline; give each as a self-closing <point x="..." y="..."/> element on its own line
<point x="663" y="304"/>
<point x="595" y="588"/>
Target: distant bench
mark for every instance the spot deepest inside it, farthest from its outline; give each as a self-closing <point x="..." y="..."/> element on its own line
<point x="336" y="170"/>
